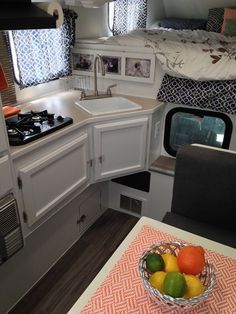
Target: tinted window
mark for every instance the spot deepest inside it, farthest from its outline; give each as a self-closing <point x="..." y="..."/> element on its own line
<point x="187" y="126"/>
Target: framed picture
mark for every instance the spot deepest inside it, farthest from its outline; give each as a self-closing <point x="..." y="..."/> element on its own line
<point x="119" y="65"/>
<point x="112" y="64"/>
<point x="137" y="67"/>
<point x="83" y="62"/>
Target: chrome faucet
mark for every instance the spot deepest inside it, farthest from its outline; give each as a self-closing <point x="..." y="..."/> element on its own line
<point x="97" y="58"/>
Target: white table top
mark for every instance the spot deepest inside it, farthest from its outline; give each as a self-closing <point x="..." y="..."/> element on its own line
<point x="208" y="244"/>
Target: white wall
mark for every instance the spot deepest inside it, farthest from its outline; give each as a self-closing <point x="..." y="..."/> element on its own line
<point x="193" y="8"/>
<point x="155" y="11"/>
<point x="93" y="23"/>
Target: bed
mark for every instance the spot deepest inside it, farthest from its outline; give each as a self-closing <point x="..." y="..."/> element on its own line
<point x="199" y="64"/>
<point x="190" y="54"/>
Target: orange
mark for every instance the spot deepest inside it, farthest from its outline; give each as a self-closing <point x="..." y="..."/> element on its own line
<point x="191" y="259"/>
<point x="174" y="284"/>
<point x="170" y="262"/>
<point x="200" y="249"/>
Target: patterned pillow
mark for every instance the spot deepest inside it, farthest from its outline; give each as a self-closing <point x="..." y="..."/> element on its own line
<point x="230" y="27"/>
<point x="215" y="20"/>
<point x="178" y="23"/>
<point x="228" y="14"/>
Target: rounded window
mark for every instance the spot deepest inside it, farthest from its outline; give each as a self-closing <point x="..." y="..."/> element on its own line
<point x="188" y="126"/>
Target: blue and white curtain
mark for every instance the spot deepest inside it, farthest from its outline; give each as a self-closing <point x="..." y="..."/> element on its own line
<point x="129" y="15"/>
<point x="44" y="54"/>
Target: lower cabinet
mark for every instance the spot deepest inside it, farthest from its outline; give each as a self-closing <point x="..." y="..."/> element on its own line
<point x="51" y="176"/>
<point x="5" y="171"/>
<point x="89" y="210"/>
<point x="119" y="147"/>
<point x="47" y="181"/>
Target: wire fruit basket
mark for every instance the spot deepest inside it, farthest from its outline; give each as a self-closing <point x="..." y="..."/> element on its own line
<point x="207" y="277"/>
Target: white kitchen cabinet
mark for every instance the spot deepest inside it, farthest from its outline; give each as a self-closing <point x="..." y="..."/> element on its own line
<point x="48" y="180"/>
<point x="3" y="134"/>
<point x="119" y="147"/>
<point x="6" y="183"/>
<point x="89" y="210"/>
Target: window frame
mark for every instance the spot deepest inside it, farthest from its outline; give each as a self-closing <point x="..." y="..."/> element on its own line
<point x="110" y="15"/>
<point x="197" y="112"/>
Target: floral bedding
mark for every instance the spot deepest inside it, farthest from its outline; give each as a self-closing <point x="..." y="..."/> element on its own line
<point x="191" y="54"/>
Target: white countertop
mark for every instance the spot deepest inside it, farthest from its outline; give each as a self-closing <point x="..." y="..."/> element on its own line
<point x="195" y="239"/>
<point x="63" y="103"/>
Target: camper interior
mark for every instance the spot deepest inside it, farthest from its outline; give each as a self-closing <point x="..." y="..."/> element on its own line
<point x="103" y="102"/>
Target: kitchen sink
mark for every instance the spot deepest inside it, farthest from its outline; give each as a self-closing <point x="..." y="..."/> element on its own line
<point x="107" y="105"/>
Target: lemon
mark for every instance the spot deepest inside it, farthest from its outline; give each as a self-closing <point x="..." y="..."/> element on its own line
<point x="194" y="286"/>
<point x="174" y="284"/>
<point x="170" y="261"/>
<point x="157" y="279"/>
<point x="154" y="262"/>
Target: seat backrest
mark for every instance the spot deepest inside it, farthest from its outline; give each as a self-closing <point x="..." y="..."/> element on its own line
<point x="205" y="185"/>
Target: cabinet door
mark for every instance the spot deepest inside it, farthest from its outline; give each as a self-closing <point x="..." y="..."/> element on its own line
<point x="89" y="211"/>
<point x="3" y="134"/>
<point x="50" y="179"/>
<point x="119" y="147"/>
<point x="6" y="183"/>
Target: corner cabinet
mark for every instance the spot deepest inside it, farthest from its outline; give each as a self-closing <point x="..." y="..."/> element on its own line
<point x="119" y="147"/>
<point x="48" y="180"/>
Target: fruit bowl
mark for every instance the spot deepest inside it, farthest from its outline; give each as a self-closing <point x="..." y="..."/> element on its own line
<point x="207" y="277"/>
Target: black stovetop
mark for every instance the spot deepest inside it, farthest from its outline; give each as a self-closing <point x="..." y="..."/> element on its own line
<point x="29" y="126"/>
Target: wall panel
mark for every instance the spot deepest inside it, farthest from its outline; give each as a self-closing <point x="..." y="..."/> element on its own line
<point x="193" y="8"/>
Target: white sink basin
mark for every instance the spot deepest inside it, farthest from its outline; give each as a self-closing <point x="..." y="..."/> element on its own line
<point x="107" y="105"/>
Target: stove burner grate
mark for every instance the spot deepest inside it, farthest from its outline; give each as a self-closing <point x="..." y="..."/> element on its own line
<point x="29" y="126"/>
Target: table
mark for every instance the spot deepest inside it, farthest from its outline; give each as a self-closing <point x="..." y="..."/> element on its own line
<point x="147" y="222"/>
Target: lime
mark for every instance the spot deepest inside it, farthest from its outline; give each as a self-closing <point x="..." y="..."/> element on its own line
<point x="194" y="286"/>
<point x="170" y="261"/>
<point x="174" y="284"/>
<point x="154" y="262"/>
<point x="157" y="279"/>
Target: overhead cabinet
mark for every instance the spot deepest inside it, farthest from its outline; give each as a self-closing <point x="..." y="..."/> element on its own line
<point x="119" y="147"/>
<point x="51" y="178"/>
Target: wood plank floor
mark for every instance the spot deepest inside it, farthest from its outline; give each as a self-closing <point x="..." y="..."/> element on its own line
<point x="66" y="281"/>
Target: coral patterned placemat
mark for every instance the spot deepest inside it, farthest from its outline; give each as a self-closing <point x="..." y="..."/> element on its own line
<point x="122" y="291"/>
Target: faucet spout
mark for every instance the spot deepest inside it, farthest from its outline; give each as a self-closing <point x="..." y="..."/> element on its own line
<point x="97" y="58"/>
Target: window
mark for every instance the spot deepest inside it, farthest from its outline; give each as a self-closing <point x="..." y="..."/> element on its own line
<point x="188" y="126"/>
<point x="126" y="15"/>
<point x="43" y="55"/>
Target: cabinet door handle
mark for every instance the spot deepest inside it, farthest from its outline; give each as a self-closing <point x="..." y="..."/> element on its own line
<point x="90" y="162"/>
<point x="101" y="159"/>
<point x="81" y="219"/>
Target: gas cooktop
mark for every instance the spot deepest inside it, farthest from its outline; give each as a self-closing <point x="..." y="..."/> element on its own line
<point x="29" y="126"/>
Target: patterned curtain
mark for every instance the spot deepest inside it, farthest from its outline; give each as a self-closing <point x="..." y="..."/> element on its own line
<point x="43" y="55"/>
<point x="129" y="15"/>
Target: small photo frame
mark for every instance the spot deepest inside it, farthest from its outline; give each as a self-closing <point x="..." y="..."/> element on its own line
<point x="112" y="65"/>
<point x="137" y="67"/>
<point x="83" y="62"/>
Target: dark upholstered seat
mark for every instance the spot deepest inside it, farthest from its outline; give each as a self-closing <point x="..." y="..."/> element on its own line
<point x="204" y="193"/>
